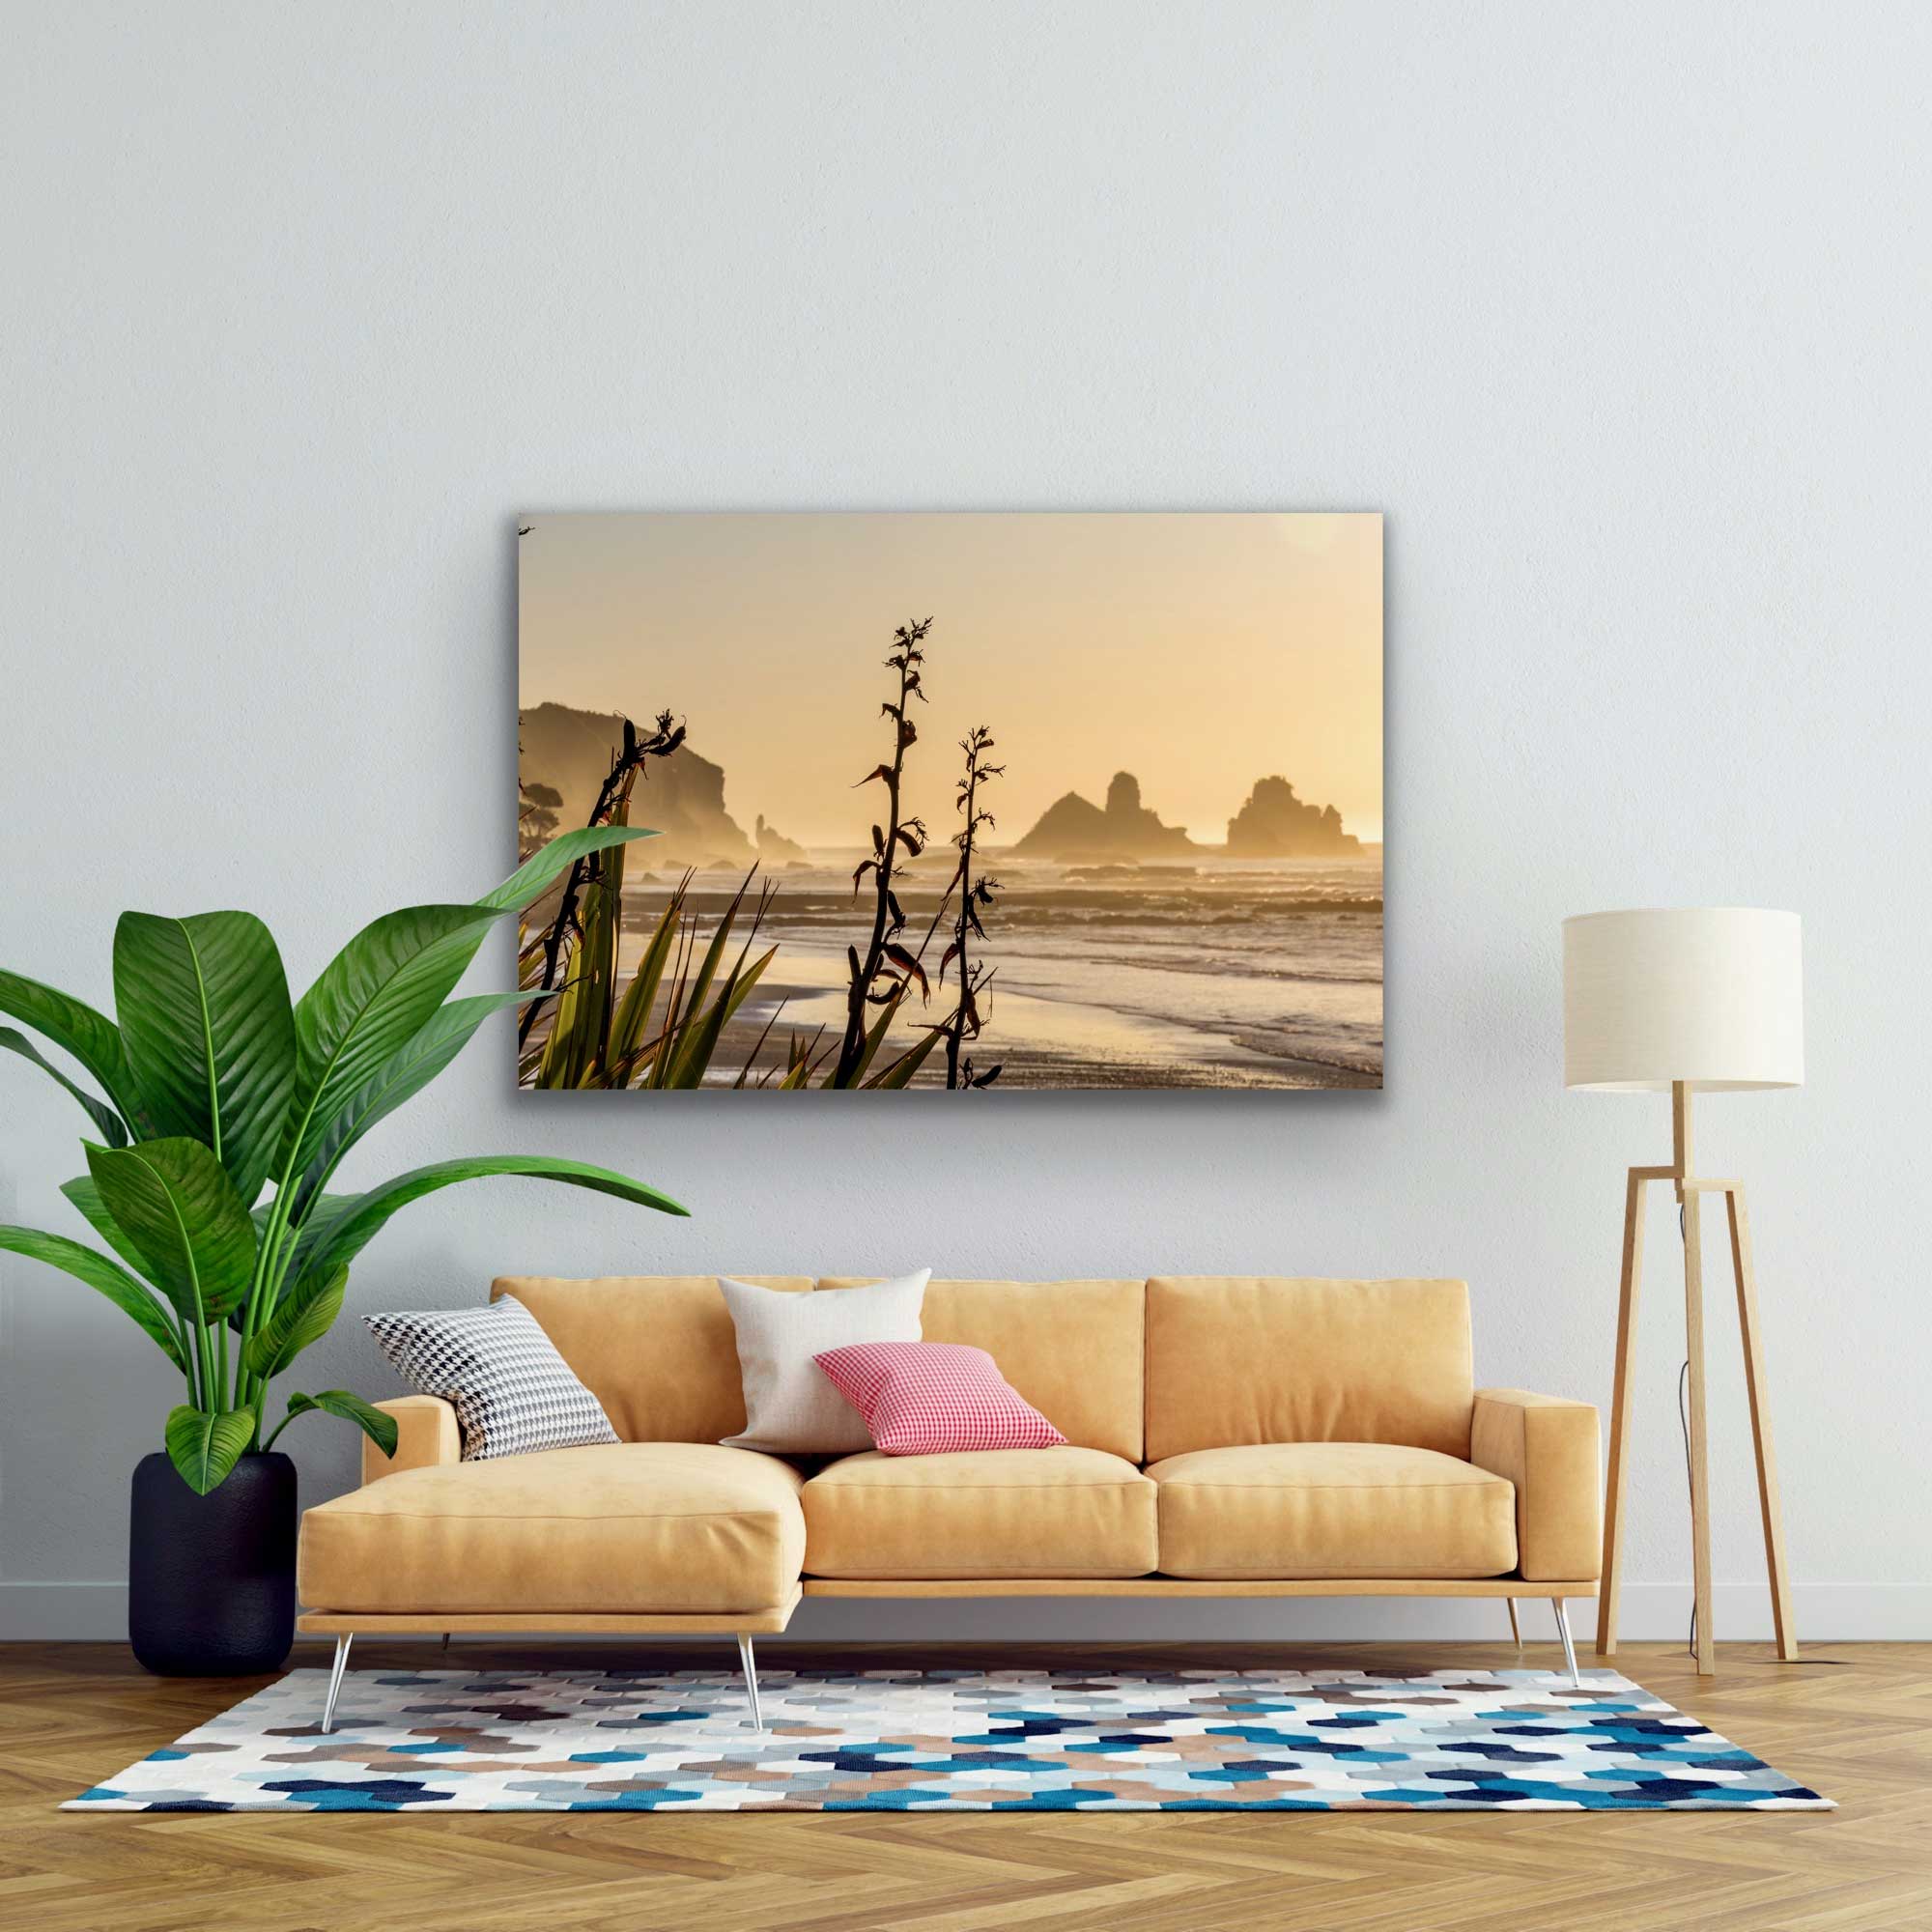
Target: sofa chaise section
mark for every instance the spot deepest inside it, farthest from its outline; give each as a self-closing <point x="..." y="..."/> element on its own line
<point x="675" y="1530"/>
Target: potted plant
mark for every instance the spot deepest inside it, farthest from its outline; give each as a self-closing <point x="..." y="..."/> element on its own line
<point x="211" y="1085"/>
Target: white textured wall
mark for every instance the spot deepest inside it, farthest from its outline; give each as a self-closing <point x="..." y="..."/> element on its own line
<point x="1619" y="314"/>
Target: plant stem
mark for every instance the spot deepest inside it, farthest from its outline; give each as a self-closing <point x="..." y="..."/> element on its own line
<point x="268" y="1247"/>
<point x="203" y="1368"/>
<point x="853" y="1047"/>
<point x="957" y="1031"/>
<point x="975" y="743"/>
<point x="186" y="1342"/>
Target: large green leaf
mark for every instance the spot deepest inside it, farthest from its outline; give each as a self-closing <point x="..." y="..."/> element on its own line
<point x="401" y="1077"/>
<point x="209" y="1032"/>
<point x="131" y="1296"/>
<point x="179" y="1209"/>
<point x="85" y="1195"/>
<point x="204" y="1445"/>
<point x="371" y="1001"/>
<point x="355" y="1229"/>
<point x="302" y="1315"/>
<point x="75" y="1028"/>
<point x="563" y="851"/>
<point x="107" y="1121"/>
<point x="381" y="1429"/>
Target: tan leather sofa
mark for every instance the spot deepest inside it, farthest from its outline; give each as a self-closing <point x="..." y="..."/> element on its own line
<point x="1225" y="1436"/>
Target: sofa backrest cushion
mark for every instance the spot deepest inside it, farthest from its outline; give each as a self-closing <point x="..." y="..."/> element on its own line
<point x="1074" y="1350"/>
<point x="1234" y="1360"/>
<point x="1209" y="1361"/>
<point x="659" y="1351"/>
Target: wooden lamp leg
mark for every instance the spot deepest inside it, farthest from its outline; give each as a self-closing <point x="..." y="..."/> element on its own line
<point x="1620" y="1410"/>
<point x="1690" y="1193"/>
<point x="1701" y="1461"/>
<point x="1760" y="1414"/>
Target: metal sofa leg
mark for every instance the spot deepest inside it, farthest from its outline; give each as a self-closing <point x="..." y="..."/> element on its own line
<point x="1515" y="1627"/>
<point x="749" y="1665"/>
<point x="336" y="1669"/>
<point x="1562" y="1611"/>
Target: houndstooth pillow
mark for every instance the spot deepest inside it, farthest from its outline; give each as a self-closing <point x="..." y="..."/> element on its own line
<point x="511" y="1390"/>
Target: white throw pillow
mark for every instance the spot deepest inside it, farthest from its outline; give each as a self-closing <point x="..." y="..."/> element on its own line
<point x="790" y="1406"/>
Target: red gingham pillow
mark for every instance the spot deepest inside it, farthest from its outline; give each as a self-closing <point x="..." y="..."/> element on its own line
<point x="927" y="1398"/>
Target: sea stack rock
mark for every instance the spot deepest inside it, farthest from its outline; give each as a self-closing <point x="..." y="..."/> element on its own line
<point x="774" y="847"/>
<point x="1074" y="829"/>
<point x="1275" y="824"/>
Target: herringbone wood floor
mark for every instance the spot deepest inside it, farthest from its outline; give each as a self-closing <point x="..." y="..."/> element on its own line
<point x="71" y="1714"/>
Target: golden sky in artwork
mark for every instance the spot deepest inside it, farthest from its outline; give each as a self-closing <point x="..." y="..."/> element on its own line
<point x="1199" y="652"/>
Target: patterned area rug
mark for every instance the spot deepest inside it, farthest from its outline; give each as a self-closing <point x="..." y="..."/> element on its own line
<point x="998" y="1740"/>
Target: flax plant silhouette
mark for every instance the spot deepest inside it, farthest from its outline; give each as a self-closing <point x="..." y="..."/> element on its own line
<point x="613" y="799"/>
<point x="879" y="978"/>
<point x="973" y="893"/>
<point x="606" y="1034"/>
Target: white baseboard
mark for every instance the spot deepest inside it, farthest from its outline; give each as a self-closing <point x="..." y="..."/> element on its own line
<point x="1823" y="1613"/>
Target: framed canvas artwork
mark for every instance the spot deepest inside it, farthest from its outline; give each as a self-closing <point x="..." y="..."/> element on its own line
<point x="953" y="802"/>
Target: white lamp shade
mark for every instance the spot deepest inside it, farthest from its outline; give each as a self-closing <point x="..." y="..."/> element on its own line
<point x="1711" y="997"/>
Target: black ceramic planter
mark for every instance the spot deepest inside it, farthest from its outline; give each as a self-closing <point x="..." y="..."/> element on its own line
<point x="211" y="1579"/>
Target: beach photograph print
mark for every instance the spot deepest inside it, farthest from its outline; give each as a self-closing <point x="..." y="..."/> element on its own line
<point x="975" y="803"/>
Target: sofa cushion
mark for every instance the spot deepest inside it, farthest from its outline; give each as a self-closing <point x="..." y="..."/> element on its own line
<point x="1234" y="1360"/>
<point x="790" y="1407"/>
<point x="632" y="1527"/>
<point x="936" y="1398"/>
<point x="1332" y="1509"/>
<point x="658" y="1352"/>
<point x="512" y="1392"/>
<point x="985" y="1513"/>
<point x="1075" y="1349"/>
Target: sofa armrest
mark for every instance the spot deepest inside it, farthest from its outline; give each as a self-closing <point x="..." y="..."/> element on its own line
<point x="1547" y="1448"/>
<point x="426" y="1433"/>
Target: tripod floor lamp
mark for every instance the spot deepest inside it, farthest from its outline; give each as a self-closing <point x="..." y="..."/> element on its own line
<point x="1683" y="1001"/>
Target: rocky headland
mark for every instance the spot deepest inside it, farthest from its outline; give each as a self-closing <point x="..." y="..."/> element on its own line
<point x="681" y="797"/>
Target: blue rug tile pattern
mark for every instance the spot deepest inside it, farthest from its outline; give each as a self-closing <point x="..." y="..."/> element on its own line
<point x="967" y="1740"/>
